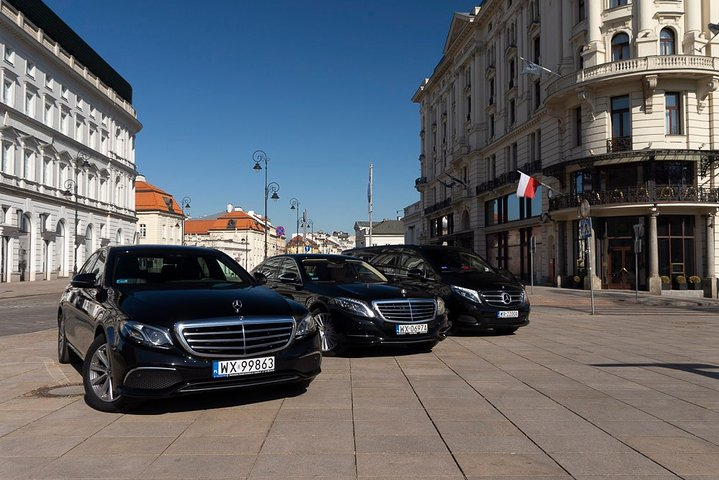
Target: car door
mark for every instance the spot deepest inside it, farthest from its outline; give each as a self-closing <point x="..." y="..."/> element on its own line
<point x="289" y="281"/>
<point x="72" y="306"/>
<point x="89" y="306"/>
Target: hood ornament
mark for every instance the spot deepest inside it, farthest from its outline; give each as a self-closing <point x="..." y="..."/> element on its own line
<point x="237" y="305"/>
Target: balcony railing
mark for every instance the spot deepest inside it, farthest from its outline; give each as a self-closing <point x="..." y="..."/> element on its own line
<point x="509" y="177"/>
<point x="659" y="193"/>
<point x="635" y="65"/>
<point x="438" y="206"/>
<point x="619" y="144"/>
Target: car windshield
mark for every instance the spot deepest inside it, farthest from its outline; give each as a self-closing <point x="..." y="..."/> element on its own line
<point x="457" y="261"/>
<point x="133" y="269"/>
<point x="341" y="271"/>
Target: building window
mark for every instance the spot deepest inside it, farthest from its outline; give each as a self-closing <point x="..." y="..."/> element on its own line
<point x="620" y="47"/>
<point x="491" y="126"/>
<point x="512" y="112"/>
<point x="581" y="10"/>
<point x="49" y="82"/>
<point x="580" y="58"/>
<point x="621" y="124"/>
<point x="515" y="159"/>
<point x="577" y="126"/>
<point x="48" y="114"/>
<point x="27" y="160"/>
<point x="666" y="42"/>
<point x="617" y="3"/>
<point x="65" y="93"/>
<point x="65" y="123"/>
<point x="7" y="92"/>
<point x="672" y="103"/>
<point x="537" y="94"/>
<point x="30" y="69"/>
<point x="491" y="91"/>
<point x="6" y="157"/>
<point x="30" y="104"/>
<point x="47" y="171"/>
<point x="9" y="55"/>
<point x="512" y="72"/>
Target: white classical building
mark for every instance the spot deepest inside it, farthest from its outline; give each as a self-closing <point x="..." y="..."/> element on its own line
<point x="609" y="101"/>
<point x="67" y="147"/>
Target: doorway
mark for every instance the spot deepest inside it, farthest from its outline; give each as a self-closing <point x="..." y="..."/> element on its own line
<point x="620" y="264"/>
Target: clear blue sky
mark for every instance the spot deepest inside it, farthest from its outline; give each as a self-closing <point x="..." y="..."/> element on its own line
<point x="324" y="87"/>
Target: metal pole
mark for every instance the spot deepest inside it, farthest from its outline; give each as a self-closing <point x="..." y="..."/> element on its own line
<point x="266" y="195"/>
<point x="590" y="261"/>
<point x="74" y="268"/>
<point x="636" y="272"/>
<point x="531" y="262"/>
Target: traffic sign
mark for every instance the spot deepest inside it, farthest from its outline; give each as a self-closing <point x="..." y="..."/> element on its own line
<point x="280" y="231"/>
<point x="308" y="248"/>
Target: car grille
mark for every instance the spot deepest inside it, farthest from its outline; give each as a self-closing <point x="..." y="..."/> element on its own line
<point x="234" y="337"/>
<point x="407" y="311"/>
<point x="503" y="298"/>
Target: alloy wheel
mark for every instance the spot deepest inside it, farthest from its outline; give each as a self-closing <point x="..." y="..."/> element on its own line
<point x="100" y="374"/>
<point x="328" y="335"/>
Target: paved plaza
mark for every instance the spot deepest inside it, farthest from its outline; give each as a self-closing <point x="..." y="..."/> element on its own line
<point x="631" y="392"/>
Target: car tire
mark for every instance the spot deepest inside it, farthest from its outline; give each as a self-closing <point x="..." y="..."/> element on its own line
<point x="329" y="339"/>
<point x="97" y="379"/>
<point x="505" y="331"/>
<point x="64" y="354"/>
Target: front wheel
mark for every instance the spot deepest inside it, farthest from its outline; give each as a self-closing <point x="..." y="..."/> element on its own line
<point x="97" y="379"/>
<point x="329" y="338"/>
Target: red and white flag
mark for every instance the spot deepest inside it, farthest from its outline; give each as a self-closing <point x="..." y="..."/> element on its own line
<point x="527" y="186"/>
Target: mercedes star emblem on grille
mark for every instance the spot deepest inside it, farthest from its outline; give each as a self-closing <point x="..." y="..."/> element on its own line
<point x="237" y="305"/>
<point x="506" y="298"/>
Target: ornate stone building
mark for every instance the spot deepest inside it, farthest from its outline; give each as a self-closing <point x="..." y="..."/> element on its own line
<point x="67" y="147"/>
<point x="609" y="101"/>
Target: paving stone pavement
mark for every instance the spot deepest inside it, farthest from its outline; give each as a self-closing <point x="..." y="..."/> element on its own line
<point x="631" y="392"/>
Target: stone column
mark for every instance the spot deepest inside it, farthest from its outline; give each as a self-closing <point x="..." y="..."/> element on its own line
<point x="646" y="40"/>
<point x="693" y="36"/>
<point x="709" y="283"/>
<point x="655" y="282"/>
<point x="594" y="52"/>
<point x="566" y="49"/>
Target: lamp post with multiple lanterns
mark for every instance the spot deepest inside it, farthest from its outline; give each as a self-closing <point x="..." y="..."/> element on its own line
<point x="185" y="206"/>
<point x="71" y="188"/>
<point x="270" y="188"/>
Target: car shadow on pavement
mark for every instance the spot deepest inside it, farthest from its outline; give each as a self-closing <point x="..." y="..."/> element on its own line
<point x="702" y="369"/>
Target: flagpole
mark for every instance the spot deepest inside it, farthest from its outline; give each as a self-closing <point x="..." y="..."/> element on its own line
<point x="369" y="200"/>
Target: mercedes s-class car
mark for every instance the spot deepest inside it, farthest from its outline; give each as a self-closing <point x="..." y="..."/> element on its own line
<point x="354" y="304"/>
<point x="158" y="321"/>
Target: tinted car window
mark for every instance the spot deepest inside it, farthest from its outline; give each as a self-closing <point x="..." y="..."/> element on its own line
<point x="288" y="266"/>
<point x="89" y="263"/>
<point x="269" y="268"/>
<point x="457" y="261"/>
<point x="349" y="271"/>
<point x="165" y="268"/>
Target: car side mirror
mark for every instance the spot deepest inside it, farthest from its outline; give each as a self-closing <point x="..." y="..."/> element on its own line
<point x="289" y="277"/>
<point x="260" y="278"/>
<point x="84" y="280"/>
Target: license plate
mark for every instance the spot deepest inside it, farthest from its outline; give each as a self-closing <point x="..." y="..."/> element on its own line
<point x="411" y="329"/>
<point x="246" y="366"/>
<point x="508" y="314"/>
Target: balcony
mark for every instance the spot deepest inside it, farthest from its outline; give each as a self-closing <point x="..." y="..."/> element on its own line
<point x="634" y="195"/>
<point x="636" y="67"/>
<point x="438" y="206"/>
<point x="509" y="177"/>
<point x="619" y="144"/>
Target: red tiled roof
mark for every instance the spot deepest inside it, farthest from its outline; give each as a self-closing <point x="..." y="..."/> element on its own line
<point x="242" y="221"/>
<point x="149" y="198"/>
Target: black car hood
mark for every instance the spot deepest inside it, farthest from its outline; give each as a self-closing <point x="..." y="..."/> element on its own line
<point x="480" y="280"/>
<point x="366" y="291"/>
<point x="164" y="307"/>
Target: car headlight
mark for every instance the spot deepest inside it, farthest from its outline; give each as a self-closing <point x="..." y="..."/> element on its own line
<point x="441" y="309"/>
<point x="146" y="335"/>
<point x="469" y="294"/>
<point x="306" y="326"/>
<point x="356" y="307"/>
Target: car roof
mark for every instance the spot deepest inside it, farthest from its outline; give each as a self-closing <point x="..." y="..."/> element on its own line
<point x="410" y="247"/>
<point x="318" y="256"/>
<point x="160" y="249"/>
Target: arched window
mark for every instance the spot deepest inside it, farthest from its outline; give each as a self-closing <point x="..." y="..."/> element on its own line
<point x="666" y="42"/>
<point x="620" y="47"/>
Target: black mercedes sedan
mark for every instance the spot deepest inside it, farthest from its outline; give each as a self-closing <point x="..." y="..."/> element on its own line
<point x="354" y="304"/>
<point x="157" y="321"/>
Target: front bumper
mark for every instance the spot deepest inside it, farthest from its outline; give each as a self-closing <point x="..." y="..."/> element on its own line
<point x="139" y="371"/>
<point x="469" y="316"/>
<point x="354" y="330"/>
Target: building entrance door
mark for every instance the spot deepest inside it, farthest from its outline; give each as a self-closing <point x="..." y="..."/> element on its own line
<point x="620" y="264"/>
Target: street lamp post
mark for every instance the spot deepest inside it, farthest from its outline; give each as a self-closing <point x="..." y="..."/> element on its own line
<point x="185" y="206"/>
<point x="71" y="188"/>
<point x="295" y="205"/>
<point x="272" y="187"/>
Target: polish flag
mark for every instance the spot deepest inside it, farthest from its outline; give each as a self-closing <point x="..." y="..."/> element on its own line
<point x="527" y="186"/>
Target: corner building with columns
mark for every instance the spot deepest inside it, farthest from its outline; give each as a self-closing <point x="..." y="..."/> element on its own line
<point x="67" y="147"/>
<point x="611" y="102"/>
